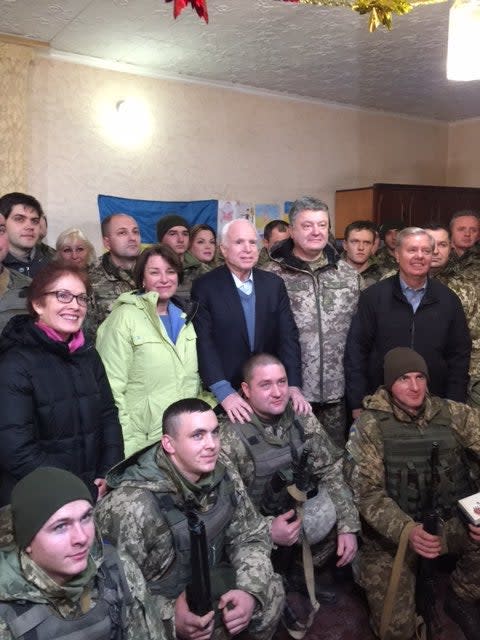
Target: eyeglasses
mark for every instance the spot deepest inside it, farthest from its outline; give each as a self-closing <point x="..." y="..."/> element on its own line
<point x="65" y="297"/>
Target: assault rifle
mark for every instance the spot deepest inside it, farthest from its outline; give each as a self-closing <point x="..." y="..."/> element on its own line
<point x="276" y="500"/>
<point x="198" y="592"/>
<point x="425" y="589"/>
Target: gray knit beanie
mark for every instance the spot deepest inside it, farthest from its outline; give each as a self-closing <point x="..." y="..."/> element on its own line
<point x="37" y="496"/>
<point x="399" y="361"/>
<point x="167" y="222"/>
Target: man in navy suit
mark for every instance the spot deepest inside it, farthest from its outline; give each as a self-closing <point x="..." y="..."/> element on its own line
<point x="243" y="311"/>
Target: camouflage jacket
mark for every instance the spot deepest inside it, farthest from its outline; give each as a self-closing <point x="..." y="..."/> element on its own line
<point x="129" y="516"/>
<point x="13" y="295"/>
<point x="365" y="468"/>
<point x="21" y="579"/>
<point x="468" y="264"/>
<point x="325" y="460"/>
<point x="108" y="282"/>
<point x="385" y="261"/>
<point x="192" y="269"/>
<point x="468" y="290"/>
<point x="370" y="275"/>
<point x="323" y="301"/>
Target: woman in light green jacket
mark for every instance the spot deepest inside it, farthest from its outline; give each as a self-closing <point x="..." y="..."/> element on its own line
<point x="148" y="347"/>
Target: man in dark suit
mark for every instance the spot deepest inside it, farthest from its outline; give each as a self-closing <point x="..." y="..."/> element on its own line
<point x="243" y="311"/>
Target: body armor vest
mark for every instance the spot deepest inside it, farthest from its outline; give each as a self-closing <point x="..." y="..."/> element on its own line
<point x="268" y="457"/>
<point x="216" y="520"/>
<point x="407" y="452"/>
<point x="105" y="621"/>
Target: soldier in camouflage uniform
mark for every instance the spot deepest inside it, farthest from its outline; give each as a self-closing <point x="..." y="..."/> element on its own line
<point x="56" y="578"/>
<point x="449" y="273"/>
<point x="112" y="275"/>
<point x="173" y="230"/>
<point x="274" y="232"/>
<point x="358" y="244"/>
<point x="385" y="257"/>
<point x="388" y="467"/>
<point x="323" y="292"/>
<point x="265" y="448"/>
<point x="145" y="515"/>
<point x="465" y="232"/>
<point x="12" y="284"/>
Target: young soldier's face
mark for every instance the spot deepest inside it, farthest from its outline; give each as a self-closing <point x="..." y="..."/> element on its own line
<point x="359" y="246"/>
<point x="62" y="546"/>
<point x="267" y="391"/>
<point x="194" y="446"/>
<point x="409" y="391"/>
<point x="465" y="232"/>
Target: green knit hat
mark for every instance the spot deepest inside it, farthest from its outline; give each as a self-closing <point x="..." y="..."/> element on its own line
<point x="399" y="361"/>
<point x="167" y="222"/>
<point x="37" y="496"/>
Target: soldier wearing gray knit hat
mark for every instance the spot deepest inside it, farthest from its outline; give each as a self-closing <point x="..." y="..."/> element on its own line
<point x="400" y="361"/>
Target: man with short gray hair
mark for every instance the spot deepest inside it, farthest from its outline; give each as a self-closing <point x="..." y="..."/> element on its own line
<point x="323" y="292"/>
<point x="409" y="310"/>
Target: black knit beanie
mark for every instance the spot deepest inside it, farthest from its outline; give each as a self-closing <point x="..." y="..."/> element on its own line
<point x="37" y="496"/>
<point x="399" y="361"/>
<point x="167" y="222"/>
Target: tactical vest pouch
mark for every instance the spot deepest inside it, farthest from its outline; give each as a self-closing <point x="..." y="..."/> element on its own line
<point x="407" y="451"/>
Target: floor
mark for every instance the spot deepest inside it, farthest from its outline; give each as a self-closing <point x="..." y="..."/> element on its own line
<point x="348" y="618"/>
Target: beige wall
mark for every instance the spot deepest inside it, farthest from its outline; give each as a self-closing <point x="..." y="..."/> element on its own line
<point x="463" y="167"/>
<point x="207" y="142"/>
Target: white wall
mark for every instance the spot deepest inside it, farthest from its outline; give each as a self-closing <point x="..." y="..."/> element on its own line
<point x="208" y="142"/>
<point x="463" y="168"/>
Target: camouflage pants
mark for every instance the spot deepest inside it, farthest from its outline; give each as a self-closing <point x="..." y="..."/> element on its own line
<point x="333" y="418"/>
<point x="373" y="566"/>
<point x="266" y="617"/>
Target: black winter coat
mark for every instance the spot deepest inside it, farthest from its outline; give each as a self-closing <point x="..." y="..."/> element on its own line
<point x="437" y="330"/>
<point x="56" y="408"/>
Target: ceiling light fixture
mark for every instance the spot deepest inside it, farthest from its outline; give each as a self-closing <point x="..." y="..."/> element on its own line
<point x="463" y="57"/>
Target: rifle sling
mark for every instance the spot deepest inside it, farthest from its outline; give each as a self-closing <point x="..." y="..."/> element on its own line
<point x="300" y="497"/>
<point x="394" y="579"/>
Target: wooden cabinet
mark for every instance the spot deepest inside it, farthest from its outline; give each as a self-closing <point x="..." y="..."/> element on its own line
<point x="414" y="204"/>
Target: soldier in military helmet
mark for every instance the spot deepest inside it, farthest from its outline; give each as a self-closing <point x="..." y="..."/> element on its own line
<point x="56" y="579"/>
<point x="389" y="469"/>
<point x="155" y="491"/>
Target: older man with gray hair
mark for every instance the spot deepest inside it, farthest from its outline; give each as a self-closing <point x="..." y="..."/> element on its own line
<point x="243" y="311"/>
<point x="409" y="310"/>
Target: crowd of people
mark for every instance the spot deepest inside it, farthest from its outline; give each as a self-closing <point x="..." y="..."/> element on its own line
<point x="275" y="409"/>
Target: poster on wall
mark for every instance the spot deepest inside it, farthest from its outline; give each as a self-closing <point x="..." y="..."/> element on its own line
<point x="229" y="210"/>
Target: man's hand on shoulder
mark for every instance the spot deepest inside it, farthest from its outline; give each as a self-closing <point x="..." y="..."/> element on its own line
<point x="237" y="409"/>
<point x="189" y="626"/>
<point x="424" y="543"/>
<point x="237" y="609"/>
<point x="347" y="546"/>
<point x="299" y="404"/>
<point x="284" y="530"/>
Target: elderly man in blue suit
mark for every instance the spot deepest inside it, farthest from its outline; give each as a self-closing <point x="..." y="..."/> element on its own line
<point x="243" y="311"/>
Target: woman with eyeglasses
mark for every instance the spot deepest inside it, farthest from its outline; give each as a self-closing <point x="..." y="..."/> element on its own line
<point x="56" y="405"/>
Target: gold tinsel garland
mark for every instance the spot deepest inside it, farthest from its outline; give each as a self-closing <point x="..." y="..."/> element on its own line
<point x="381" y="11"/>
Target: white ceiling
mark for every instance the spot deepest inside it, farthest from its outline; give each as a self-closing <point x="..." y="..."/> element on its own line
<point x="302" y="50"/>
